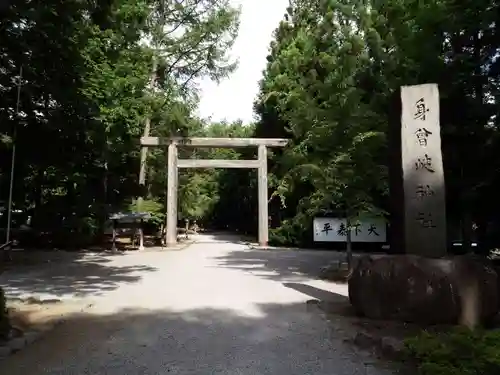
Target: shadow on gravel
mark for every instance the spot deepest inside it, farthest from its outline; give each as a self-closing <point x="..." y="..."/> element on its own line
<point x="317" y="293"/>
<point x="279" y="264"/>
<point x="210" y="237"/>
<point x="263" y="339"/>
<point x="328" y="301"/>
<point x="77" y="276"/>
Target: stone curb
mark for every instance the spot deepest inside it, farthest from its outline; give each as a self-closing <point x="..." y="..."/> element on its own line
<point x="157" y="249"/>
<point x="29" y="337"/>
<point x="255" y="246"/>
<point x="181" y="245"/>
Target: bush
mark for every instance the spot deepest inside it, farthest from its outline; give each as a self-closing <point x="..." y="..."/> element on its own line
<point x="4" y="318"/>
<point x="154" y="208"/>
<point x="458" y="352"/>
<point x="290" y="233"/>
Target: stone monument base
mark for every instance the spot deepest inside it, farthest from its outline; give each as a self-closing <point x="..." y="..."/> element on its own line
<point x="411" y="288"/>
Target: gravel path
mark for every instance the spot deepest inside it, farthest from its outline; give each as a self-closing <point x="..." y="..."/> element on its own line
<point x="214" y="308"/>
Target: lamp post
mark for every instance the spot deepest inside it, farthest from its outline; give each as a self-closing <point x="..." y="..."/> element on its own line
<point x="12" y="165"/>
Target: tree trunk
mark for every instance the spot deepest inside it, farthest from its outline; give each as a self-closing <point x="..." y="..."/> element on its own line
<point x="466" y="173"/>
<point x="466" y="221"/>
<point x="37" y="198"/>
<point x="104" y="204"/>
<point x="483" y="242"/>
<point x="144" y="150"/>
<point x="349" y="245"/>
<point x="466" y="229"/>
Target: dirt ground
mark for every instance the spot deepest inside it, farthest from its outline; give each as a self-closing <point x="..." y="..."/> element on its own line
<point x="38" y="316"/>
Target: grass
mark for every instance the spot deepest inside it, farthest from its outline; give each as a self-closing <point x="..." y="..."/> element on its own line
<point x="458" y="351"/>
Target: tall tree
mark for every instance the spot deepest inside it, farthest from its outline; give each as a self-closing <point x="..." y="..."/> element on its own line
<point x="86" y="67"/>
<point x="331" y="72"/>
<point x="190" y="39"/>
<point x="337" y="142"/>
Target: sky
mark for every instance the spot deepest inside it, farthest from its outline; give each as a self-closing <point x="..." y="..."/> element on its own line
<point x="233" y="98"/>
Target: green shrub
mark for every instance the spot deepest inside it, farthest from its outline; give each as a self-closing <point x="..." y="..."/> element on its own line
<point x="154" y="208"/>
<point x="458" y="352"/>
<point x="290" y="233"/>
<point x="4" y="318"/>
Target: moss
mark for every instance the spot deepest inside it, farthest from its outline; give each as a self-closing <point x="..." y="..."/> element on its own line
<point x="457" y="352"/>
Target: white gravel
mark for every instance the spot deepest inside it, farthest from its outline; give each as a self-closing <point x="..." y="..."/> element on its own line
<point x="214" y="308"/>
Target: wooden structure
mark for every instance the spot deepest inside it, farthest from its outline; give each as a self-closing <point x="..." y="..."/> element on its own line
<point x="174" y="163"/>
<point x="132" y="220"/>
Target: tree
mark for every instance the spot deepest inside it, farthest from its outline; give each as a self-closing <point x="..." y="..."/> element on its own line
<point x="92" y="114"/>
<point x="332" y="71"/>
<point x="337" y="142"/>
<point x="97" y="72"/>
<point x="189" y="39"/>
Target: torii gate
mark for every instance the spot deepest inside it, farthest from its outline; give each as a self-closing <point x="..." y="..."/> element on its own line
<point x="174" y="163"/>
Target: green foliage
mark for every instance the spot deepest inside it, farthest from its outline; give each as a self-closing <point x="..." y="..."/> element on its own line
<point x="210" y="195"/>
<point x="84" y="100"/>
<point x="332" y="70"/>
<point x="154" y="208"/>
<point x="289" y="232"/>
<point x="93" y="72"/>
<point x="459" y="352"/>
<point x="198" y="193"/>
<point x="4" y="317"/>
<point x="313" y="90"/>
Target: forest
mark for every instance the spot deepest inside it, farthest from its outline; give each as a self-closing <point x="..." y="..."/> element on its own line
<point x="80" y="80"/>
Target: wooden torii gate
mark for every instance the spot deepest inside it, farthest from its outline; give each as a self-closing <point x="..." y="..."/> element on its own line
<point x="174" y="163"/>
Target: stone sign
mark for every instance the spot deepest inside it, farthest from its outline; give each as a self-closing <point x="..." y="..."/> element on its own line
<point x="423" y="175"/>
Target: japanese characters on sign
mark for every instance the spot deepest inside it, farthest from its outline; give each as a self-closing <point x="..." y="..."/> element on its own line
<point x="335" y="230"/>
<point x="422" y="135"/>
<point x="420" y="109"/>
<point x="423" y="191"/>
<point x="422" y="168"/>
<point x="423" y="163"/>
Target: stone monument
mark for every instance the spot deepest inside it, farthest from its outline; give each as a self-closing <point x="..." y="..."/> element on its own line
<point x="418" y="217"/>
